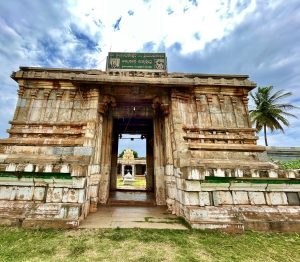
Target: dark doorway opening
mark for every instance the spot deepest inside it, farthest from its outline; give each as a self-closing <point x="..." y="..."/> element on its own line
<point x="131" y="173"/>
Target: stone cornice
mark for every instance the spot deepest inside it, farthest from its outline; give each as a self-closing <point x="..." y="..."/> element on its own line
<point x="132" y="77"/>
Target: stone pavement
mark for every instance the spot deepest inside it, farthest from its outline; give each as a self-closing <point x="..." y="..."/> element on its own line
<point x="132" y="217"/>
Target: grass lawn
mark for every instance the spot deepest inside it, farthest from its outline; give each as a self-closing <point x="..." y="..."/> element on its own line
<point x="18" y="244"/>
<point x="139" y="183"/>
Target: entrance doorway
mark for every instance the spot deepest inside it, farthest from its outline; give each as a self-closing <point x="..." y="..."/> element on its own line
<point x="131" y="170"/>
<point x="127" y="110"/>
<point x="132" y="173"/>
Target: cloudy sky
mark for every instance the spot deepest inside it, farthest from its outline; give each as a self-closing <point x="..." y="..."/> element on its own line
<point x="260" y="38"/>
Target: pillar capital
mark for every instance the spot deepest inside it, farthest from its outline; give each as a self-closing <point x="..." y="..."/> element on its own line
<point x="106" y="102"/>
<point x="161" y="104"/>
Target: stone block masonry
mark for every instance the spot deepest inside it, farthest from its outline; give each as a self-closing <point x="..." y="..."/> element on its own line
<point x="203" y="161"/>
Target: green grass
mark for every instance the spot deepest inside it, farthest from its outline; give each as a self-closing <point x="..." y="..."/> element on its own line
<point x="18" y="244"/>
<point x="139" y="183"/>
<point x="292" y="164"/>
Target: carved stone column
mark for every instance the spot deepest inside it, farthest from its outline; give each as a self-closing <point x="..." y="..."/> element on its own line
<point x="21" y="101"/>
<point x="114" y="162"/>
<point x="106" y="103"/>
<point x="150" y="170"/>
<point x="161" y="108"/>
<point x="32" y="110"/>
<point x="122" y="170"/>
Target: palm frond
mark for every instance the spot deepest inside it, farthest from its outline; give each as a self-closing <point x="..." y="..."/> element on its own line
<point x="268" y="111"/>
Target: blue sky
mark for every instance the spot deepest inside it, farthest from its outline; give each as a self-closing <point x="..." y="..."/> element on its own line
<point x="259" y="38"/>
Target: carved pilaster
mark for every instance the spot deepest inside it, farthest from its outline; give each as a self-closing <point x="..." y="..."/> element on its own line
<point x="159" y="104"/>
<point x="21" y="91"/>
<point x="221" y="99"/>
<point x="233" y="100"/>
<point x="72" y="95"/>
<point x="107" y="101"/>
<point x="245" y="100"/>
<point x="178" y="95"/>
<point x="59" y="94"/>
<point x="209" y="98"/>
<point x="93" y="93"/>
<point x="47" y="93"/>
<point x="84" y="94"/>
<point x="33" y="93"/>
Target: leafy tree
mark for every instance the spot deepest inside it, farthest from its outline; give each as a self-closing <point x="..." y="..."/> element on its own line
<point x="270" y="112"/>
<point x="135" y="154"/>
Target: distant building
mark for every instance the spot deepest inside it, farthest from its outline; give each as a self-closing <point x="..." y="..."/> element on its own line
<point x="128" y="163"/>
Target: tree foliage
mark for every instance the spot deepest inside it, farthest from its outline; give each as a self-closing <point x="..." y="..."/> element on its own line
<point x="269" y="111"/>
<point x="291" y="164"/>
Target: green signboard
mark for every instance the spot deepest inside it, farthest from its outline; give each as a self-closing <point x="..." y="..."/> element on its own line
<point x="136" y="62"/>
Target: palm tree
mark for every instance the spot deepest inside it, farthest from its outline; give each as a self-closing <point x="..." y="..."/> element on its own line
<point x="270" y="112"/>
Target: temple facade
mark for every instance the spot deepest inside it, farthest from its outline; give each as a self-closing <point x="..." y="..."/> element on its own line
<point x="129" y="164"/>
<point x="60" y="160"/>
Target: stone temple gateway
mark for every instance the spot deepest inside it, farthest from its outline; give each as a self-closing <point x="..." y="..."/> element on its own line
<point x="60" y="159"/>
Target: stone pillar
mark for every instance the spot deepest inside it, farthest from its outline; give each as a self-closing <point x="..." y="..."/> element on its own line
<point x="106" y="158"/>
<point x="46" y="94"/>
<point x="149" y="164"/>
<point x="94" y="135"/>
<point x="169" y="166"/>
<point x="114" y="163"/>
<point x="21" y="101"/>
<point x="233" y="101"/>
<point x="122" y="170"/>
<point x="133" y="170"/>
<point x="159" y="171"/>
<point x="32" y="109"/>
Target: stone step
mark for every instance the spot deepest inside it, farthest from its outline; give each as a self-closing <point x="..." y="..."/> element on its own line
<point x="230" y="227"/>
<point x="131" y="198"/>
<point x="120" y="202"/>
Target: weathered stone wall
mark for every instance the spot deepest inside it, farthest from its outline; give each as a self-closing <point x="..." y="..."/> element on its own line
<point x="63" y="127"/>
<point x="53" y="131"/>
<point x="239" y="205"/>
<point x="212" y="137"/>
<point x="32" y="200"/>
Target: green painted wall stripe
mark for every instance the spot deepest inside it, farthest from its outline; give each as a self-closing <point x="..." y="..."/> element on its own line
<point x="213" y="179"/>
<point x="35" y="175"/>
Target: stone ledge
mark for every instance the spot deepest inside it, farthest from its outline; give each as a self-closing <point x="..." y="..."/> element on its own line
<point x="223" y="227"/>
<point x="50" y="223"/>
<point x="226" y="147"/>
<point x="42" y="160"/>
<point x="225" y="163"/>
<point x="76" y="182"/>
<point x="263" y="218"/>
<point x="42" y="141"/>
<point x="48" y="124"/>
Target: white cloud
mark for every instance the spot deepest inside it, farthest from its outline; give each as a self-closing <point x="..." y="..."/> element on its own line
<point x="151" y="22"/>
<point x="255" y="37"/>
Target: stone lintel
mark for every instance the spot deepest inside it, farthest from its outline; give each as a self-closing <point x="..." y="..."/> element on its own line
<point x="133" y="77"/>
